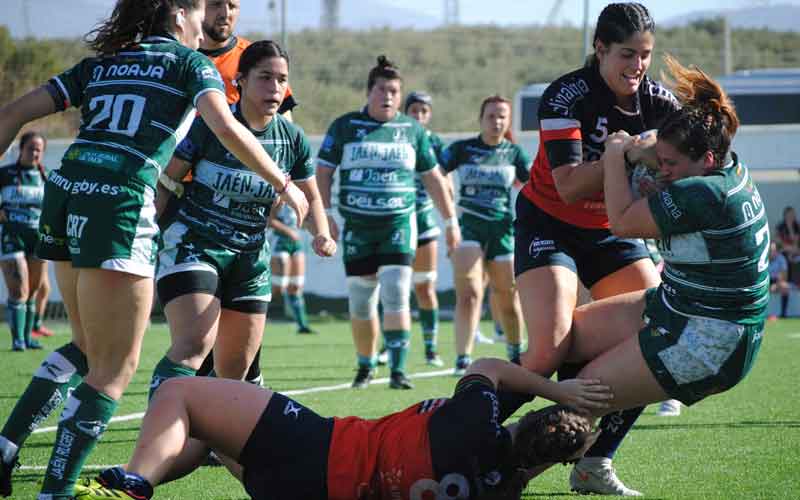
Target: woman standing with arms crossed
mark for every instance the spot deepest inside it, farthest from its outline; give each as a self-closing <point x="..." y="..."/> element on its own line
<point x="378" y="152"/>
<point x="22" y="190"/>
<point x="562" y="231"/>
<point x="487" y="167"/>
<point x="98" y="222"/>
<point x="213" y="272"/>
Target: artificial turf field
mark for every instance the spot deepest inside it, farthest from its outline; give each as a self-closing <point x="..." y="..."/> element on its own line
<point x="743" y="444"/>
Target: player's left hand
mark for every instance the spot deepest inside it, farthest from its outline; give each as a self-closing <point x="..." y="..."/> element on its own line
<point x="453" y="237"/>
<point x="618" y="143"/>
<point x="324" y="245"/>
<point x="584" y="394"/>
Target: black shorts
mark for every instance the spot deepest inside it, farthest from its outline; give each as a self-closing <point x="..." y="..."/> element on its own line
<point x="542" y="240"/>
<point x="286" y="456"/>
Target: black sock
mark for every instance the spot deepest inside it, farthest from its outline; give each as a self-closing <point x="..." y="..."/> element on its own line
<point x="255" y="367"/>
<point x="208" y="365"/>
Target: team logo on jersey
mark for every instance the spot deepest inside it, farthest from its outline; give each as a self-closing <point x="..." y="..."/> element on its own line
<point x="361" y="133"/>
<point x="291" y="409"/>
<point x="399" y="136"/>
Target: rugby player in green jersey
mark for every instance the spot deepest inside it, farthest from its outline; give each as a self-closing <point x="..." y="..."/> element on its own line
<point x="487" y="167"/>
<point x="419" y="105"/>
<point x="137" y="97"/>
<point x="22" y="190"/>
<point x="698" y="333"/>
<point x="213" y="273"/>
<point x="378" y="152"/>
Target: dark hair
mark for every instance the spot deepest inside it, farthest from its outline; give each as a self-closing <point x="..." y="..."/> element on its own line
<point x="25" y="139"/>
<point x="617" y="22"/>
<point x="384" y="69"/>
<point x="491" y="100"/>
<point x="133" y="20"/>
<point x="706" y="122"/>
<point x="417" y="96"/>
<point x="255" y="53"/>
<point x="550" y="435"/>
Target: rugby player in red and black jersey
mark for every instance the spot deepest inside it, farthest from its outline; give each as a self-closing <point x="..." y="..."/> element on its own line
<point x="451" y="447"/>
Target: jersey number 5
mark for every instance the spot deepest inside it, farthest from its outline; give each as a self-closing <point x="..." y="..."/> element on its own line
<point x="120" y="114"/>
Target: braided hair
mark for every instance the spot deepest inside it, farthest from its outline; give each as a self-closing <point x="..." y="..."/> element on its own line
<point x="617" y="22"/>
<point x="706" y="122"/>
<point x="550" y="435"/>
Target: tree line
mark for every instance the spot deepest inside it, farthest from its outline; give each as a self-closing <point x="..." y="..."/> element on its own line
<point x="459" y="66"/>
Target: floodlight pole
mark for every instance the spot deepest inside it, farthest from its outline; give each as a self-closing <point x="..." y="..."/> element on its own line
<point x="586" y="34"/>
<point x="284" y="32"/>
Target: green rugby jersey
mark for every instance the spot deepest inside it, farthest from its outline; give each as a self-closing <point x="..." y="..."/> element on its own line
<point x="227" y="202"/>
<point x="715" y="245"/>
<point x="22" y="191"/>
<point x="136" y="106"/>
<point x="486" y="175"/>
<point x="377" y="162"/>
<point x="424" y="201"/>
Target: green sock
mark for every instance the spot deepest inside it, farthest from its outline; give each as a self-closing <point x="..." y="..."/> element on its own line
<point x="37" y="320"/>
<point x="430" y="328"/>
<point x="397" y="341"/>
<point x="166" y="369"/>
<point x="84" y="419"/>
<point x="58" y="374"/>
<point x="367" y="361"/>
<point x="15" y="315"/>
<point x="30" y="312"/>
<point x="287" y="307"/>
<point x="298" y="307"/>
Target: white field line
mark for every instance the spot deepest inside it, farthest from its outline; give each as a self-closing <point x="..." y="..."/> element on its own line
<point x="292" y="392"/>
<point x="794" y="335"/>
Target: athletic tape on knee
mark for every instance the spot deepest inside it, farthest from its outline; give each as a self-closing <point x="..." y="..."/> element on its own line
<point x="56" y="368"/>
<point x="297" y="280"/>
<point x="362" y="297"/>
<point x="280" y="281"/>
<point x="424" y="277"/>
<point x="395" y="288"/>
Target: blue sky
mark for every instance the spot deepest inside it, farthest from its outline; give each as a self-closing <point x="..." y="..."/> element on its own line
<point x="536" y="11"/>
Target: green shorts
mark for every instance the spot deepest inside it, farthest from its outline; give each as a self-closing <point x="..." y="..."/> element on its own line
<point x="283" y="246"/>
<point x="99" y="220"/>
<point x="235" y="277"/>
<point x="495" y="239"/>
<point x="17" y="241"/>
<point x="693" y="357"/>
<point x="370" y="244"/>
<point x="427" y="226"/>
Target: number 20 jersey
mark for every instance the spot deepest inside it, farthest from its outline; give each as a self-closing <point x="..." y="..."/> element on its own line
<point x="136" y="106"/>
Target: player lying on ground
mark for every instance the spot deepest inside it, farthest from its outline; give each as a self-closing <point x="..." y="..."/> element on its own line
<point x="286" y="451"/>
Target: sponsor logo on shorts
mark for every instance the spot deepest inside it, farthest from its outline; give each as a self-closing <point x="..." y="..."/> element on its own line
<point x="538" y="246"/>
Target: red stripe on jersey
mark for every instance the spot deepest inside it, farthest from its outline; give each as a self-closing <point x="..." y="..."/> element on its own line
<point x="561" y="134"/>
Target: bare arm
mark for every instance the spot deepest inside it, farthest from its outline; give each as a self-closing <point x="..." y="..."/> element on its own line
<point x="238" y="140"/>
<point x="582" y="394"/>
<point x="31" y="106"/>
<point x="439" y="188"/>
<point x="175" y="171"/>
<point x="324" y="182"/>
<point x="578" y="181"/>
<point x="627" y="218"/>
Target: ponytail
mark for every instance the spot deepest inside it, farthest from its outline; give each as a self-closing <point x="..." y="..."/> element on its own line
<point x="706" y="122"/>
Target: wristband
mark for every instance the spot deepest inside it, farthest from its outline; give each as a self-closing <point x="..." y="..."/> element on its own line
<point x="285" y="185"/>
<point x="171" y="184"/>
<point x="450" y="222"/>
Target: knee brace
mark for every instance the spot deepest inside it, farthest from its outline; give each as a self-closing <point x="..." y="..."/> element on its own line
<point x="280" y="281"/>
<point x="395" y="288"/>
<point x="362" y="297"/>
<point x="424" y="277"/>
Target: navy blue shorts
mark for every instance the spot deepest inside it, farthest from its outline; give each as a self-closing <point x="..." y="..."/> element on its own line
<point x="542" y="240"/>
<point x="286" y="456"/>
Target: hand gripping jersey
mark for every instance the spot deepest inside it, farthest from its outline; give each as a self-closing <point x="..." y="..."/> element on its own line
<point x="424" y="201"/>
<point x="136" y="106"/>
<point x="715" y="244"/>
<point x="577" y="112"/>
<point x="486" y="174"/>
<point x="22" y="192"/>
<point x="439" y="448"/>
<point x="227" y="202"/>
<point x="378" y="161"/>
<point x="226" y="59"/>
